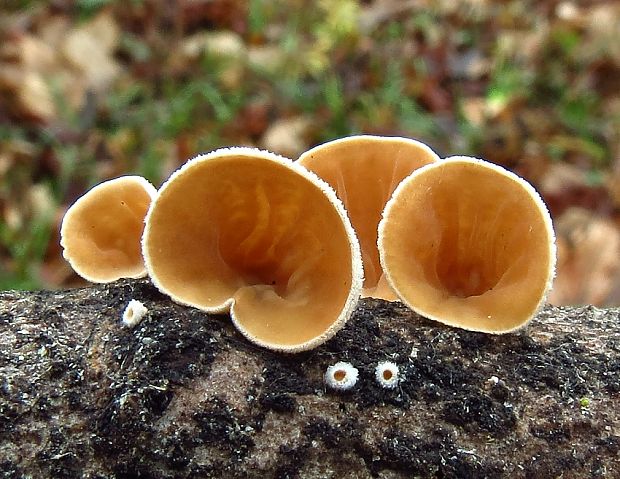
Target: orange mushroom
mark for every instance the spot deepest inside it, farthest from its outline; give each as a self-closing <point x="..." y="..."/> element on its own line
<point x="364" y="170"/>
<point x="469" y="244"/>
<point x="248" y="231"/>
<point x="101" y="232"/>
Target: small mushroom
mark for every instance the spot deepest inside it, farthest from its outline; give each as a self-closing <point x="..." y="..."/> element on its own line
<point x="250" y="232"/>
<point x="387" y="374"/>
<point x="134" y="313"/>
<point x="469" y="244"/>
<point x="364" y="170"/>
<point x="341" y="376"/>
<point x="101" y="232"/>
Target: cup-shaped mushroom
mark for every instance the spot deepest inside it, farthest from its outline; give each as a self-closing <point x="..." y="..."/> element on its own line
<point x="101" y="232"/>
<point x="364" y="170"/>
<point x="250" y="232"/>
<point x="469" y="244"/>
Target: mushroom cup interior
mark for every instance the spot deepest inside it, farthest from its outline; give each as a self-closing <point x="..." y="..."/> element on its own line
<point x="101" y="231"/>
<point x="469" y="244"/>
<point x="242" y="229"/>
<point x="364" y="170"/>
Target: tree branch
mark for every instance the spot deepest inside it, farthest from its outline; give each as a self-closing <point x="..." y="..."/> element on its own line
<point x="183" y="394"/>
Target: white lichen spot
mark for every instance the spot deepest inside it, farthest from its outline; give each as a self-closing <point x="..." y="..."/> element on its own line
<point x="493" y="380"/>
<point x="387" y="374"/>
<point x="133" y="314"/>
<point x="341" y="376"/>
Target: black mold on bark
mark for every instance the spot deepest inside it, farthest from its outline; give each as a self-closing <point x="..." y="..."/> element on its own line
<point x="183" y="394"/>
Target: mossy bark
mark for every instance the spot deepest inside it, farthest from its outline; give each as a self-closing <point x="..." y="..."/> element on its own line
<point x="183" y="394"/>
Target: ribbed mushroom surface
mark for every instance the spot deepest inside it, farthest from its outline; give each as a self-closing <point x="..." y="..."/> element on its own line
<point x="101" y="231"/>
<point x="250" y="231"/>
<point x="469" y="244"/>
<point x="364" y="170"/>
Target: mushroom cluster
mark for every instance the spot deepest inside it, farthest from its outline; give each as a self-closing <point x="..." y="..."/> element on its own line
<point x="237" y="230"/>
<point x="274" y="242"/>
<point x="343" y="376"/>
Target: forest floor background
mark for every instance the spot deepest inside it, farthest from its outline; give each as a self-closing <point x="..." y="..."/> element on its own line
<point x="92" y="89"/>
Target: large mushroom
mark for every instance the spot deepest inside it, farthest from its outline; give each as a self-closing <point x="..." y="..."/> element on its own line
<point x="101" y="232"/>
<point x="364" y="170"/>
<point x="248" y="231"/>
<point x="469" y="244"/>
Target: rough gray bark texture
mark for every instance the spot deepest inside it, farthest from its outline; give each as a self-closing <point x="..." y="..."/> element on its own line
<point x="183" y="394"/>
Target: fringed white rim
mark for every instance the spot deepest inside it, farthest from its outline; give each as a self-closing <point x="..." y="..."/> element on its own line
<point x="341" y="376"/>
<point x="387" y="374"/>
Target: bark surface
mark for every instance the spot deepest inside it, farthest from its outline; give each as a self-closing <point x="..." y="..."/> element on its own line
<point x="183" y="394"/>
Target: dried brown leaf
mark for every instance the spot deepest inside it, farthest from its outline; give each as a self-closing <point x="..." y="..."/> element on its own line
<point x="288" y="136"/>
<point x="88" y="49"/>
<point x="588" y="268"/>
